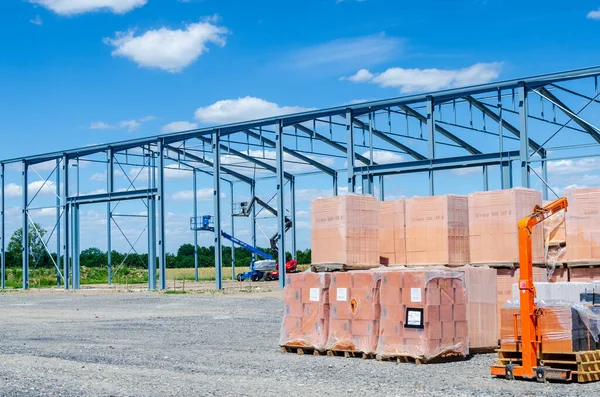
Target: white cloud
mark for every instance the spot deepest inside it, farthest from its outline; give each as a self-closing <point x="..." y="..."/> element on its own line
<point x="415" y="80"/>
<point x="12" y="190"/>
<point x="72" y="7"/>
<point x="204" y="194"/>
<point x="43" y="212"/>
<point x="347" y="52"/>
<point x="569" y="167"/>
<point x="166" y="49"/>
<point x="36" y="21"/>
<point x="100" y="125"/>
<point x="385" y="157"/>
<point x="468" y="171"/>
<point x="129" y="125"/>
<point x="361" y="76"/>
<point x="147" y="118"/>
<point x="594" y="14"/>
<point x="242" y="109"/>
<point x="177" y="126"/>
<point x="302" y="214"/>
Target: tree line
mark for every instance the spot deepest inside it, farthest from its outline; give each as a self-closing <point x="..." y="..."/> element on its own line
<point x="95" y="257"/>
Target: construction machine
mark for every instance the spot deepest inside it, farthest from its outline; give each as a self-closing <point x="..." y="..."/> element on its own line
<point x="531" y="367"/>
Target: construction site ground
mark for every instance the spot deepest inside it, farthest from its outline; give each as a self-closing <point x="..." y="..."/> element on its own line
<point x="124" y="341"/>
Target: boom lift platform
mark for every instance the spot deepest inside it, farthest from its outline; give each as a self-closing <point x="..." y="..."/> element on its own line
<point x="531" y="366"/>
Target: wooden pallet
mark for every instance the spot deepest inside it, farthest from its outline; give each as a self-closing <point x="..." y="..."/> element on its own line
<point x="483" y="350"/>
<point x="583" y="264"/>
<point x="444" y="358"/>
<point x="303" y="350"/>
<point x="350" y="354"/>
<point x="583" y="366"/>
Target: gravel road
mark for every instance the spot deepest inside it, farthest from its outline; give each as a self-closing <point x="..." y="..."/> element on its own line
<point x="152" y="344"/>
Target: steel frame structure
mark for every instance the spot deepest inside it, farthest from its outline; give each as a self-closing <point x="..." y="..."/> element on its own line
<point x="416" y="127"/>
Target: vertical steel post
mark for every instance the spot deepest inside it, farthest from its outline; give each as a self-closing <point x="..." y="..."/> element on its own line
<point x="194" y="185"/>
<point x="253" y="218"/>
<point x="545" y="177"/>
<point x="335" y="184"/>
<point x="281" y="198"/>
<point x="216" y="147"/>
<point x="25" y="221"/>
<point x="293" y="211"/>
<point x="381" y="188"/>
<point x="2" y="230"/>
<point x="524" y="148"/>
<point x="76" y="248"/>
<point x="57" y="224"/>
<point x="64" y="194"/>
<point x="431" y="140"/>
<point x="486" y="185"/>
<point x="110" y="174"/>
<point x="152" y="227"/>
<point x="232" y="235"/>
<point x="162" y="252"/>
<point x="350" y="152"/>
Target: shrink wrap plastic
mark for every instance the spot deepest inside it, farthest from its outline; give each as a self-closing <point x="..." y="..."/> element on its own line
<point x="423" y="314"/>
<point x="564" y="327"/>
<point x="482" y="309"/>
<point x="493" y="231"/>
<point x="306" y="310"/>
<point x="354" y="311"/>
<point x="582" y="223"/>
<point x="554" y="239"/>
<point x="437" y="230"/>
<point x="392" y="233"/>
<point x="345" y="232"/>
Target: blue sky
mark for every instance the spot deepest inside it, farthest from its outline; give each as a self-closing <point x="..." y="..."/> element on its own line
<point x="80" y="72"/>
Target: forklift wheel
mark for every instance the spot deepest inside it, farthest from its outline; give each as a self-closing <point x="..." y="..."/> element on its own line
<point x="268" y="277"/>
<point x="239" y="277"/>
<point x="255" y="277"/>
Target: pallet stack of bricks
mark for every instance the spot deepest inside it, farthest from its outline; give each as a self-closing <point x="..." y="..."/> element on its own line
<point x="423" y="314"/>
<point x="306" y="311"/>
<point x="354" y="311"/>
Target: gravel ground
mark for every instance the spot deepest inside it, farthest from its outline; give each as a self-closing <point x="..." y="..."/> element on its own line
<point x="152" y="344"/>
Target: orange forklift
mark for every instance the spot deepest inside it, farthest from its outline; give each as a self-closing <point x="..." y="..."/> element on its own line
<point x="531" y="366"/>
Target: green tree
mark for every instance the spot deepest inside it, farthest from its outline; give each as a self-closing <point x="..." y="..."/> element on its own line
<point x="37" y="251"/>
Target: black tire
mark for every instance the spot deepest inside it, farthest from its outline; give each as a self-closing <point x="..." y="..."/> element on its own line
<point x="239" y="277"/>
<point x="268" y="277"/>
<point x="255" y="277"/>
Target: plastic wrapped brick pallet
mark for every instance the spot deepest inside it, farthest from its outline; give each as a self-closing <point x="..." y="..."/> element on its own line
<point x="493" y="232"/>
<point x="437" y="230"/>
<point x="564" y="327"/>
<point x="583" y="225"/>
<point x="354" y="313"/>
<point x="306" y="311"/>
<point x="392" y="233"/>
<point x="481" y="306"/>
<point x="345" y="231"/>
<point x="423" y="314"/>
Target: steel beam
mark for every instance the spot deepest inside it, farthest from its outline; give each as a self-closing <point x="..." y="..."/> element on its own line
<point x="431" y="141"/>
<point x="386" y="138"/>
<point x="280" y="203"/>
<point x="482" y="107"/>
<point x="25" y="226"/>
<point x="115" y="196"/>
<point x="162" y="251"/>
<point x="65" y="220"/>
<point x="110" y="173"/>
<point x="565" y="109"/>
<point x="216" y="145"/>
<point x="320" y="166"/>
<point x="423" y="119"/>
<point x="438" y="164"/>
<point x="2" y="230"/>
<point x="524" y="135"/>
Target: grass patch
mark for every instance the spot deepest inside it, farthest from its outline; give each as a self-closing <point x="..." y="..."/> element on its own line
<point x="175" y="292"/>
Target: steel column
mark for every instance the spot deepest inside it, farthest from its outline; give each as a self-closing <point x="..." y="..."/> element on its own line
<point x="381" y="189"/>
<point x="485" y="179"/>
<point x="25" y="221"/>
<point x="64" y="194"/>
<point x="2" y="230"/>
<point x="335" y="184"/>
<point x="195" y="194"/>
<point x="110" y="173"/>
<point x="281" y="198"/>
<point x="524" y="138"/>
<point x="232" y="234"/>
<point x="293" y="211"/>
<point x="350" y="151"/>
<point x="253" y="218"/>
<point x="545" y="177"/>
<point x="431" y="140"/>
<point x="57" y="224"/>
<point x="162" y="252"/>
<point x="151" y="225"/>
<point x="216" y="148"/>
<point x="76" y="248"/>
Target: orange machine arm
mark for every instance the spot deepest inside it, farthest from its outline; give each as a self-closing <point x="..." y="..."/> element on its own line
<point x="529" y="313"/>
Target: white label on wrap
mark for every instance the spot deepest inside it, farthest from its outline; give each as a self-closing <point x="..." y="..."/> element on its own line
<point x="414" y="317"/>
<point x="314" y="294"/>
<point x="415" y="294"/>
<point x="342" y="294"/>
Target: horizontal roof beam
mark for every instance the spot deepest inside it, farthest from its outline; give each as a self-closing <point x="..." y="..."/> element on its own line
<point x="114" y="196"/>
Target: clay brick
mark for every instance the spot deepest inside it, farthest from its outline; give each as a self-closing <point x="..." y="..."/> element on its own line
<point x="448" y="330"/>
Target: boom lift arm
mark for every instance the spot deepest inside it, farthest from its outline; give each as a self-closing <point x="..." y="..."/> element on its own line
<point x="530" y="366"/>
